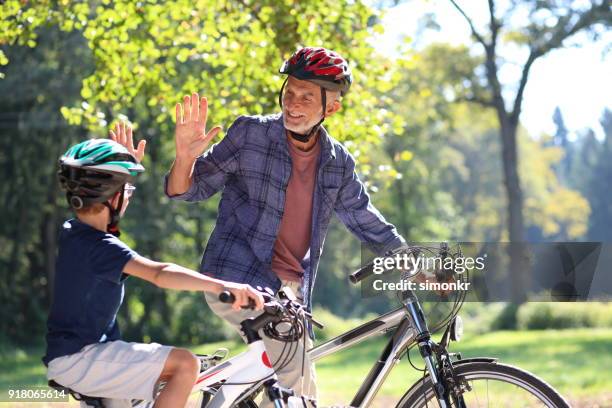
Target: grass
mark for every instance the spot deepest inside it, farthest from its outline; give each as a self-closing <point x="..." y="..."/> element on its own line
<point x="574" y="361"/>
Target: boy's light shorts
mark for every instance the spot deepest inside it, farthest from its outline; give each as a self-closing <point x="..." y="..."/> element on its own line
<point x="115" y="370"/>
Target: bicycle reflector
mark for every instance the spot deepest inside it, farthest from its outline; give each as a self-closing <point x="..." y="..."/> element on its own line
<point x="456" y="329"/>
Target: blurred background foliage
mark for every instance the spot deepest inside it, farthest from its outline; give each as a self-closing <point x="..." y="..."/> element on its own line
<point x="428" y="149"/>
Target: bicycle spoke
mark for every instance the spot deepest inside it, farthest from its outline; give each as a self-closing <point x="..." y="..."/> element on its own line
<point x="506" y="395"/>
<point x="491" y="385"/>
<point x="477" y="402"/>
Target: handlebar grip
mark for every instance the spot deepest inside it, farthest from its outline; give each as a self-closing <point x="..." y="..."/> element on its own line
<point x="368" y="270"/>
<point x="361" y="274"/>
<point x="228" y="297"/>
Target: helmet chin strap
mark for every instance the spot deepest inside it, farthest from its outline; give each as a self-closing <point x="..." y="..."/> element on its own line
<point x="305" y="137"/>
<point x="115" y="215"/>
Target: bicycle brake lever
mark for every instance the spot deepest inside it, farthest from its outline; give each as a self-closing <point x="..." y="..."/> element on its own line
<point x="313" y="321"/>
<point x="317" y="324"/>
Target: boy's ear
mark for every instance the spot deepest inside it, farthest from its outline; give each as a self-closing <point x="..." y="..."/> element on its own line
<point x="114" y="200"/>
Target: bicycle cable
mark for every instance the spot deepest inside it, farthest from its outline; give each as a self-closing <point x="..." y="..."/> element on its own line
<point x="410" y="360"/>
<point x="459" y="297"/>
<point x="285" y="356"/>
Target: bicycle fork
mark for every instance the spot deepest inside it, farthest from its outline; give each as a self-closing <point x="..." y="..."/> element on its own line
<point x="423" y="339"/>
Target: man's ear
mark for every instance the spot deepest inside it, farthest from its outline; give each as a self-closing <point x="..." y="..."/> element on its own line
<point x="332" y="108"/>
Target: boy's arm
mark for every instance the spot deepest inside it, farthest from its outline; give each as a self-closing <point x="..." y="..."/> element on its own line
<point x="172" y="276"/>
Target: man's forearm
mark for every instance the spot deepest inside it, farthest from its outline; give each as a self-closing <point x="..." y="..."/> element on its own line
<point x="180" y="177"/>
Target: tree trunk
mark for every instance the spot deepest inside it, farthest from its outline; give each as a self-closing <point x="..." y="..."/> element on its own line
<point x="516" y="250"/>
<point x="512" y="181"/>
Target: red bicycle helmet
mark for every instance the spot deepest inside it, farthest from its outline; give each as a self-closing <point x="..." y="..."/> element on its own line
<point x="321" y="66"/>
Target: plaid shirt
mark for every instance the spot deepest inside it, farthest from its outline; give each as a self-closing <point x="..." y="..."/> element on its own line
<point x="251" y="165"/>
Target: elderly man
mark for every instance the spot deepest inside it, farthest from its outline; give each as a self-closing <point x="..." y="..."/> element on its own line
<point x="282" y="177"/>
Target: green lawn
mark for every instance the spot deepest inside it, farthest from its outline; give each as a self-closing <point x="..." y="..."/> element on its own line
<point x="577" y="362"/>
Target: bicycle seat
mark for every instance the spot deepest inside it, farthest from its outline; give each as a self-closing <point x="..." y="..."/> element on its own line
<point x="95" y="402"/>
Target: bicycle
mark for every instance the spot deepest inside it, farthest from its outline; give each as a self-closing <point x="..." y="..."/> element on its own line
<point x="448" y="380"/>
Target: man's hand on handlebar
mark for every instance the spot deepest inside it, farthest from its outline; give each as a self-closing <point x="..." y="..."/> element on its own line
<point x="245" y="296"/>
<point x="427" y="277"/>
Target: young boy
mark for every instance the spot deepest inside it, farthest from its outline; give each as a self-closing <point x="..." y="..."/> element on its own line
<point x="84" y="350"/>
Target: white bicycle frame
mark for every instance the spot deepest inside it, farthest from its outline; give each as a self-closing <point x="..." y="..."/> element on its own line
<point x="231" y="380"/>
<point x="236" y="376"/>
<point x="239" y="377"/>
<point x="252" y="368"/>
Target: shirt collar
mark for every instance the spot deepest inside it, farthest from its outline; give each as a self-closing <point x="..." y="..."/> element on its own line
<point x="277" y="131"/>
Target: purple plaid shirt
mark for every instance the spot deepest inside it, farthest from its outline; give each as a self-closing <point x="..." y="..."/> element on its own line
<point x="251" y="167"/>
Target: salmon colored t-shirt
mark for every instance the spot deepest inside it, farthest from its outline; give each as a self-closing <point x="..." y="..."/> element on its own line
<point x="293" y="238"/>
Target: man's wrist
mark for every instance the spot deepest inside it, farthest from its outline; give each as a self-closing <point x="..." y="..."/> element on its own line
<point x="183" y="162"/>
<point x="179" y="179"/>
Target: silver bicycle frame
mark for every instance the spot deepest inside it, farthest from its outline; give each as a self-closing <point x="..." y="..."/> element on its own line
<point x="403" y="336"/>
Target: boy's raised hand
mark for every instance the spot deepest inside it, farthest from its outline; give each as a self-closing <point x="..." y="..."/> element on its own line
<point x="124" y="136"/>
<point x="190" y="135"/>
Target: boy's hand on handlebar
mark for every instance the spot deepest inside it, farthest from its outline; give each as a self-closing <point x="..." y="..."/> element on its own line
<point x="245" y="295"/>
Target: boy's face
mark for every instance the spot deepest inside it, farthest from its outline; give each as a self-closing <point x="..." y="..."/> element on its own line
<point x="128" y="192"/>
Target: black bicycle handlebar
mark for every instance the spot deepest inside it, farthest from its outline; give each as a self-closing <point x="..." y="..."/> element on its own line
<point x="228" y="297"/>
<point x="368" y="270"/>
<point x="362" y="273"/>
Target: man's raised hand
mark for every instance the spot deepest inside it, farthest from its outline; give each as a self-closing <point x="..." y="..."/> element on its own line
<point x="190" y="134"/>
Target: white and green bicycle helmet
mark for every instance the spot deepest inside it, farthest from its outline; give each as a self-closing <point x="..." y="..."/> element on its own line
<point x="93" y="171"/>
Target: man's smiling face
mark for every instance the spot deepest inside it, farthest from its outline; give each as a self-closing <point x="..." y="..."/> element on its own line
<point x="302" y="107"/>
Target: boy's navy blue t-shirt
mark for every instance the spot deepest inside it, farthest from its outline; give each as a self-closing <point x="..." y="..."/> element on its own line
<point x="88" y="289"/>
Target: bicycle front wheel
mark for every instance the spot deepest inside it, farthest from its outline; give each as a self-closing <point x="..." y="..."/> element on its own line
<point x="489" y="384"/>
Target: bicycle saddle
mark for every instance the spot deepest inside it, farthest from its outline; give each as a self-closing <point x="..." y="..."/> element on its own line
<point x="95" y="402"/>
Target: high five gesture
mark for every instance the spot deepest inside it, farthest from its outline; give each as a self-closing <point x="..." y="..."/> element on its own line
<point x="191" y="140"/>
<point x="190" y="135"/>
<point x="123" y="135"/>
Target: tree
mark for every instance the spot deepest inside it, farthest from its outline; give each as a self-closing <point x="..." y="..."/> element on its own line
<point x="33" y="134"/>
<point x="549" y="25"/>
<point x="598" y="186"/>
<point x="560" y="139"/>
<point x="133" y="61"/>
